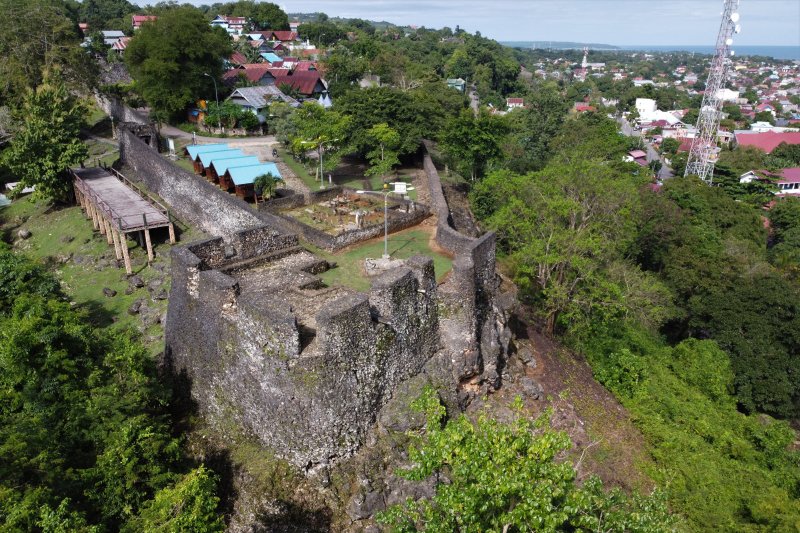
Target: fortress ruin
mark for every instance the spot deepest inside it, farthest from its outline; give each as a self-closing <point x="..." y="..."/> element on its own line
<point x="304" y="367"/>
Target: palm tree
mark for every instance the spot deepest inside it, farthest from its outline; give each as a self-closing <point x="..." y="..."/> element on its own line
<point x="266" y="185"/>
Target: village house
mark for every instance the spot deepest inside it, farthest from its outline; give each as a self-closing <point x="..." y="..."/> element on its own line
<point x="766" y="141"/>
<point x="233" y="25"/>
<point x="788" y="182"/>
<point x="138" y="20"/>
<point x="457" y="83"/>
<point x="258" y="99"/>
<point x="514" y="103"/>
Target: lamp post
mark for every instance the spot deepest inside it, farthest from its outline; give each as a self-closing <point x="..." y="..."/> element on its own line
<point x="386" y="193"/>
<point x="320" y="149"/>
<point x="386" y="220"/>
<point x="216" y="97"/>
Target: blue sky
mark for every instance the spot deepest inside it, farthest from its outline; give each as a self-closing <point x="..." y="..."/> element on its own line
<point x="618" y="22"/>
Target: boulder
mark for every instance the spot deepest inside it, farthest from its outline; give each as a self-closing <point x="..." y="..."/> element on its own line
<point x="110" y="293"/>
<point x="135" y="307"/>
<point x="24" y="234"/>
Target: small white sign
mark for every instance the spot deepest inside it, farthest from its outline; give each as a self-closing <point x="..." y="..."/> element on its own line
<point x="399" y="187"/>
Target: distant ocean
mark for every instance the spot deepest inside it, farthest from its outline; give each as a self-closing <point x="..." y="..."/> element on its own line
<point x="778" y="52"/>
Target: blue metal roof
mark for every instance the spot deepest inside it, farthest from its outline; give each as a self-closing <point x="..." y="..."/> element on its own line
<point x="221" y="165"/>
<point x="206" y="158"/>
<point x="246" y="175"/>
<point x="196" y="149"/>
<point x="271" y="57"/>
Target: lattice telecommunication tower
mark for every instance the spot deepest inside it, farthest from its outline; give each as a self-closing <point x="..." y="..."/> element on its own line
<point x="704" y="152"/>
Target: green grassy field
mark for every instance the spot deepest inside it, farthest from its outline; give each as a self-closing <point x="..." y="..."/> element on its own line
<point x="300" y="171"/>
<point x="59" y="235"/>
<point x="349" y="271"/>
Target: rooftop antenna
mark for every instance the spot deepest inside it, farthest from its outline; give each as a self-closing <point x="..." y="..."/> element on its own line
<point x="704" y="151"/>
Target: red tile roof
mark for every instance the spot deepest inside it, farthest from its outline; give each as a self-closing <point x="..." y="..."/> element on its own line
<point x="254" y="72"/>
<point x="304" y="66"/>
<point x="789" y="175"/>
<point x="686" y="144"/>
<point x="303" y="81"/>
<point x="284" y="35"/>
<point x="768" y="140"/>
<point x="139" y="19"/>
<point x="238" y="58"/>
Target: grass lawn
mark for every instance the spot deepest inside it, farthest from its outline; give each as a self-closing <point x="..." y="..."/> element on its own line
<point x="64" y="232"/>
<point x="300" y="171"/>
<point x="101" y="152"/>
<point x="402" y="245"/>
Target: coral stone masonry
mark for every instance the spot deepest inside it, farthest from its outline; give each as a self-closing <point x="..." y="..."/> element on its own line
<point x="305" y="367"/>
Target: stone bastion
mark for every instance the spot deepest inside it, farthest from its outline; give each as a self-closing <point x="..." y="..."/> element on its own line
<point x="304" y="367"/>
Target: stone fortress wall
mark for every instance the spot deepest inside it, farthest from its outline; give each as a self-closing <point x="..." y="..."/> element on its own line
<point x="304" y="367"/>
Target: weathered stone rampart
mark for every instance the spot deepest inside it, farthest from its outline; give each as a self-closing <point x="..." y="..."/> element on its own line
<point x="195" y="201"/>
<point x="120" y="111"/>
<point x="469" y="296"/>
<point x="307" y="368"/>
<point x="310" y="400"/>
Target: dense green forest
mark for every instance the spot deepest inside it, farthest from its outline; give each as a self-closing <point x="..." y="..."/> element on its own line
<point x="682" y="309"/>
<point x="85" y="423"/>
<point x="683" y="299"/>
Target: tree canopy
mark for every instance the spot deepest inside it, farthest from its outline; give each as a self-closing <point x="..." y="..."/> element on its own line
<point x="85" y="440"/>
<point x="169" y="58"/>
<point x="506" y="477"/>
<point x="48" y="141"/>
<point x="29" y="49"/>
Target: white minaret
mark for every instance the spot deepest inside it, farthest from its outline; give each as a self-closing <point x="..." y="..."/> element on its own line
<point x="585" y="63"/>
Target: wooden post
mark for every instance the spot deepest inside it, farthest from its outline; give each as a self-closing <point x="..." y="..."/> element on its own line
<point x="101" y="222"/>
<point x="171" y="229"/>
<point x="116" y="238"/>
<point x="125" y="255"/>
<point x="95" y="222"/>
<point x="147" y="241"/>
<point x="149" y="245"/>
<point x="109" y="236"/>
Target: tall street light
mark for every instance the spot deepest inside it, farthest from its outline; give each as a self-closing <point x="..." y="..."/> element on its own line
<point x="216" y="97"/>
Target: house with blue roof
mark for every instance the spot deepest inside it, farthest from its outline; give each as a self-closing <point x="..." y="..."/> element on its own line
<point x="271" y="57"/>
<point x="195" y="150"/>
<point x="207" y="157"/>
<point x="218" y="167"/>
<point x="242" y="178"/>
